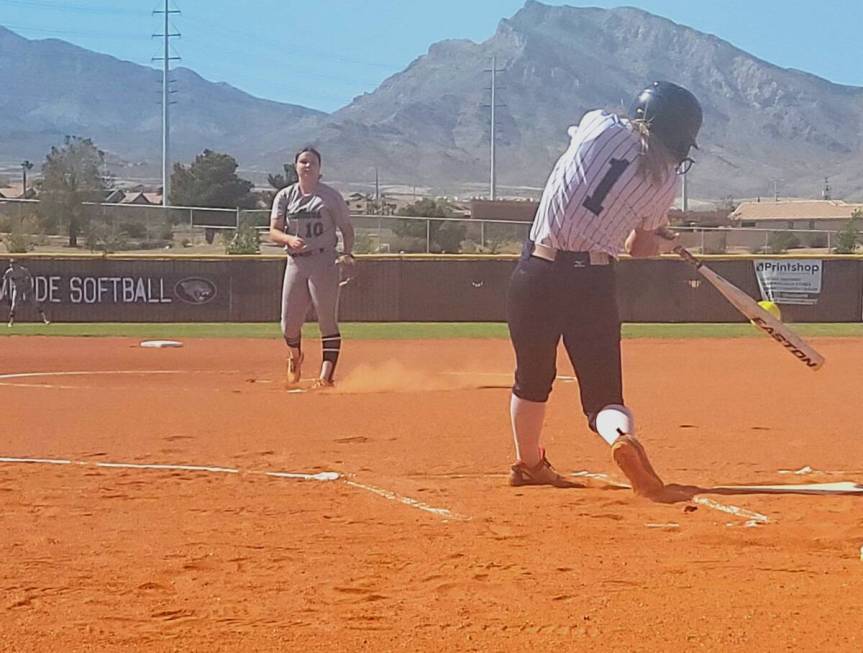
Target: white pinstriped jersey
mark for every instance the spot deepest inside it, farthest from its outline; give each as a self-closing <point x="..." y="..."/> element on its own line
<point x="595" y="195"/>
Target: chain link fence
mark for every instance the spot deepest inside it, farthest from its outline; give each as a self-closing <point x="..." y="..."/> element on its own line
<point x="123" y="227"/>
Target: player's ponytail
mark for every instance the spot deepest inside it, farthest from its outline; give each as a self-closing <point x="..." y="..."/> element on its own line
<point x="656" y="162"/>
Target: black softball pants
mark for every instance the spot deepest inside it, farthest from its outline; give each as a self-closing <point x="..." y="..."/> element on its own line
<point x="567" y="298"/>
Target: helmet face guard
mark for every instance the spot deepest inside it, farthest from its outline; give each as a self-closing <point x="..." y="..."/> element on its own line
<point x="672" y="114"/>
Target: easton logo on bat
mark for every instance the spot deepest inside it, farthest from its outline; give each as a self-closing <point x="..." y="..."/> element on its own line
<point x="782" y="340"/>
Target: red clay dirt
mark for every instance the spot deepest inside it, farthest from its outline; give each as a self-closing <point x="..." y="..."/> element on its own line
<point x="420" y="545"/>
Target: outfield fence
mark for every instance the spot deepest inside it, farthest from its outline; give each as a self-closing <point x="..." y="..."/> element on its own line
<point x="407" y="288"/>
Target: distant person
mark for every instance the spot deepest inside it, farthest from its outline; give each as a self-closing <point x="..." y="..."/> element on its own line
<point x="20" y="290"/>
<point x="304" y="218"/>
<point x="610" y="191"/>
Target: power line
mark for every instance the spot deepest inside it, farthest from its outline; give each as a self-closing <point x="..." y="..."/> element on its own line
<point x="72" y="7"/>
<point x="110" y="34"/>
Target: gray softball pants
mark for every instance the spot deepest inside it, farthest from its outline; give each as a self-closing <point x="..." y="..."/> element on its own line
<point x="310" y="280"/>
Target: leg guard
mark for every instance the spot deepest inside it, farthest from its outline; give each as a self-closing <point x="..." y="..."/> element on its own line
<point x="331" y="347"/>
<point x="613" y="421"/>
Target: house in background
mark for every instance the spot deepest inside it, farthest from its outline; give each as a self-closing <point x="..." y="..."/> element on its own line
<point x="141" y="197"/>
<point x="359" y="203"/>
<point x="828" y="215"/>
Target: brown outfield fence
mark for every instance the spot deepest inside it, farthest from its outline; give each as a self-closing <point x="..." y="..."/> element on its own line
<point x="410" y="288"/>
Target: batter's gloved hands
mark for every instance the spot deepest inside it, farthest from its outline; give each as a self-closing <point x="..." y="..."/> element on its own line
<point x="666" y="233"/>
<point x="668" y="239"/>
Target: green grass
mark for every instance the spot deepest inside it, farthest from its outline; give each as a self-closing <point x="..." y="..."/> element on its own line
<point x="401" y="330"/>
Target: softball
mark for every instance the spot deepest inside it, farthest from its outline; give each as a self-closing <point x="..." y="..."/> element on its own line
<point x="771" y="308"/>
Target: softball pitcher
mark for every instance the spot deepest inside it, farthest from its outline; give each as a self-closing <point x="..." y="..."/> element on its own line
<point x="610" y="191"/>
<point x="20" y="290"/>
<point x="304" y="219"/>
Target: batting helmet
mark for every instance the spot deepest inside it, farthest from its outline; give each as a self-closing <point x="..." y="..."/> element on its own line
<point x="672" y="113"/>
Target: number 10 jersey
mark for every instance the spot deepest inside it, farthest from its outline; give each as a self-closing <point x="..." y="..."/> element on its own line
<point x="313" y="217"/>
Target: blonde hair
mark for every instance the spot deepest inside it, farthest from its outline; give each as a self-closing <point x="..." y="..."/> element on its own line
<point x="656" y="162"/>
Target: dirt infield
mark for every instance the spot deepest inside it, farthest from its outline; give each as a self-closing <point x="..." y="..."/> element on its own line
<point x="141" y="511"/>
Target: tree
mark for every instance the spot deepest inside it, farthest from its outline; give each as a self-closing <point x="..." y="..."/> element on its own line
<point x="210" y="181"/>
<point x="444" y="236"/>
<point x="849" y="235"/>
<point x="279" y="181"/>
<point x="71" y="176"/>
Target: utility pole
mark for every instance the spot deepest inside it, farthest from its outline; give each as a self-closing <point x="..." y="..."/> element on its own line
<point x="166" y="59"/>
<point x="684" y="196"/>
<point x="378" y="207"/>
<point x="493" y="125"/>
<point x="25" y="166"/>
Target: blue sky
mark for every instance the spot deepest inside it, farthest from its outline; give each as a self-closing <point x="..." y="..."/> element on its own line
<point x="322" y="53"/>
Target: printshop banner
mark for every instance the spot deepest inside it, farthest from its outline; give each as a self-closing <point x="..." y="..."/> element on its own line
<point x="789" y="281"/>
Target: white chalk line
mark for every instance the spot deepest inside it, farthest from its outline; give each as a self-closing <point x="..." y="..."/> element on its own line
<point x="807" y="470"/>
<point x="319" y="476"/>
<point x="408" y="501"/>
<point x="4" y="378"/>
<point x="753" y="518"/>
<point x="27" y="375"/>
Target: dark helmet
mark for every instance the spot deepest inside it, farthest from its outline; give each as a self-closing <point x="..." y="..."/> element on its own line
<point x="672" y="113"/>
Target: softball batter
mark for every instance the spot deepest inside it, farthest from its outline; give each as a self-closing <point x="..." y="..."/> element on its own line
<point x="20" y="290"/>
<point x="610" y="191"/>
<point x="304" y="219"/>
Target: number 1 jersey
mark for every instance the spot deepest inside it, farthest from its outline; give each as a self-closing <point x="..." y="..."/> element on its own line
<point x="596" y="194"/>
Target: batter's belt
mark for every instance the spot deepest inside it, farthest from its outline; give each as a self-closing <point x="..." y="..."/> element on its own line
<point x="577" y="259"/>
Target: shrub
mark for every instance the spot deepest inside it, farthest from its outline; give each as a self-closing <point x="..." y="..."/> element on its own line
<point x="133" y="230"/>
<point x="848" y="237"/>
<point x="102" y="237"/>
<point x="780" y="242"/>
<point x="22" y="235"/>
<point x="244" y="240"/>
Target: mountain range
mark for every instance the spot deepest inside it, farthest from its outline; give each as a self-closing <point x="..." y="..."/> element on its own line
<point x="428" y="125"/>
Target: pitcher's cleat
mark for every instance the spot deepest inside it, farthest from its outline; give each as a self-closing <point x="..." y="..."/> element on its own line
<point x="542" y="474"/>
<point x="294" y="371"/>
<point x="631" y="457"/>
<point x="322" y="384"/>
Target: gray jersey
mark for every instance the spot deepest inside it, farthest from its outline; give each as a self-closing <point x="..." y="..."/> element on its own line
<point x="314" y="218"/>
<point x="18" y="278"/>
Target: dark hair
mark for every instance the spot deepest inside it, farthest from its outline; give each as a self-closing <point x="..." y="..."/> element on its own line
<point x="308" y="148"/>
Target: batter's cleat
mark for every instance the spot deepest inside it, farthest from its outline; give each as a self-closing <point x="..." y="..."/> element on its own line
<point x="322" y="384"/>
<point x="541" y="474"/>
<point x="294" y="370"/>
<point x="631" y="457"/>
